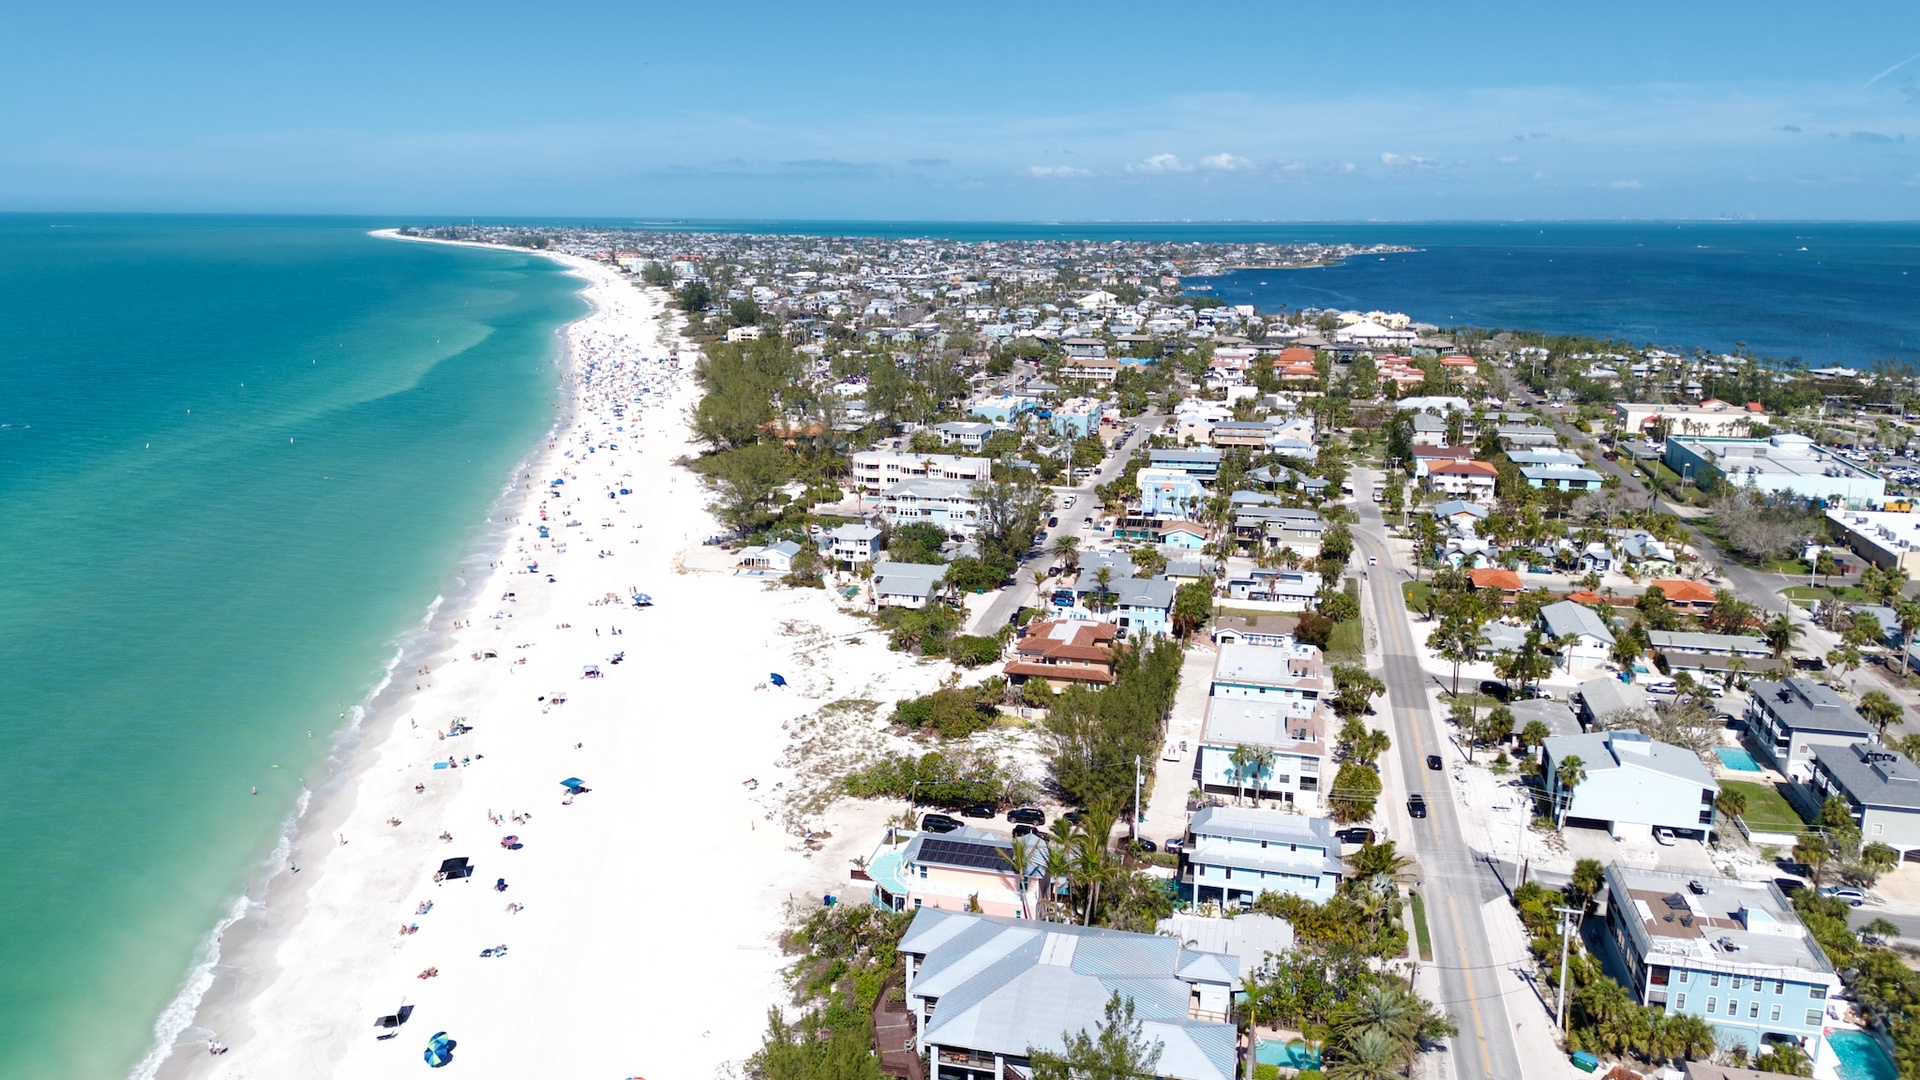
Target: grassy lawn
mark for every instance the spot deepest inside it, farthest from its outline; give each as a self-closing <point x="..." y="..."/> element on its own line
<point x="1420" y="928"/>
<point x="1347" y="645"/>
<point x="1767" y="809"/>
<point x="1806" y="594"/>
<point x="1416" y="593"/>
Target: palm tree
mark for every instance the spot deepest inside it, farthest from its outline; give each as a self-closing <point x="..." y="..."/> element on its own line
<point x="1242" y="759"/>
<point x="1067" y="549"/>
<point x="1369" y="1056"/>
<point x="1813" y="852"/>
<point x="1020" y="852"/>
<point x="1060" y="862"/>
<point x="1878" y="708"/>
<point x="1781" y="632"/>
<point x="1908" y="613"/>
<point x="1570" y="773"/>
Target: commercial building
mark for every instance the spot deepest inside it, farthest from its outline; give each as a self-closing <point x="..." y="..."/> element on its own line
<point x="1632" y="786"/>
<point x="1233" y="854"/>
<point x="1731" y="952"/>
<point x="1789" y="718"/>
<point x="1780" y="465"/>
<point x="1883" y="538"/>
<point x="986" y="991"/>
<point x="1712" y="417"/>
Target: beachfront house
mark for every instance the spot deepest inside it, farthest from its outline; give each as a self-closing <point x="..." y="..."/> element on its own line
<point x="775" y="558"/>
<point x="1141" y="605"/>
<point x="985" y="991"/>
<point x="904" y="584"/>
<point x="876" y="470"/>
<point x="851" y="544"/>
<point x="1881" y="788"/>
<point x="947" y="505"/>
<point x="1064" y="652"/>
<point x="1265" y="733"/>
<point x="958" y="870"/>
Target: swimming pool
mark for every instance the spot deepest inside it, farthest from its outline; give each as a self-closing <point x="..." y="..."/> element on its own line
<point x="1736" y="759"/>
<point x="1861" y="1057"/>
<point x="1294" y="1054"/>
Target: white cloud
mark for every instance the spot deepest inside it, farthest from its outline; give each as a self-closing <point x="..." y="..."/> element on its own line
<point x="1160" y="163"/>
<point x="1507" y="159"/>
<point x="1626" y="185"/>
<point x="1050" y="172"/>
<point x="1225" y="162"/>
<point x="1406" y="161"/>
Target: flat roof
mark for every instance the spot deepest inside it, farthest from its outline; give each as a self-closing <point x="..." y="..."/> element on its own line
<point x="1715" y="923"/>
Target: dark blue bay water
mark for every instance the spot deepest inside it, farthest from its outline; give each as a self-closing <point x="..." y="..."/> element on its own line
<point x="241" y="457"/>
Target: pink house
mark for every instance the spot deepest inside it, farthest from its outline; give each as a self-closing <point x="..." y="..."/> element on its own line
<point x="957" y="870"/>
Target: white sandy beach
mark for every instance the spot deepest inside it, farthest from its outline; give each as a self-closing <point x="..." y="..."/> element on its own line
<point x="646" y="944"/>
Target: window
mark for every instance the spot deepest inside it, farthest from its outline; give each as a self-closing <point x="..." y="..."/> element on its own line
<point x="1683" y="975"/>
<point x="1712" y="1004"/>
<point x="1816" y="992"/>
<point x="1733" y="1007"/>
<point x="1753" y="1010"/>
<point x="1713" y="978"/>
<point x="1779" y="986"/>
<point x="1813" y="1017"/>
<point x="1774" y="1014"/>
<point x="1737" y="980"/>
<point x="1680" y="1003"/>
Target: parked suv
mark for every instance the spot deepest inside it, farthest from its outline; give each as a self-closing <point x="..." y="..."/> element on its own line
<point x="1851" y="895"/>
<point x="1027" y="815"/>
<point x="978" y="810"/>
<point x="939" y="823"/>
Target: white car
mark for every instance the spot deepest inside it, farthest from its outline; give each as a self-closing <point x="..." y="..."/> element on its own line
<point x="1373" y="560"/>
<point x="1852" y="896"/>
<point x="1663" y="836"/>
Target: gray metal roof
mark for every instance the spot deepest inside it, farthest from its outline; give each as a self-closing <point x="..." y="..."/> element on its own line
<point x="1873" y="775"/>
<point x="1269" y="825"/>
<point x="1599" y="751"/>
<point x="1241" y="722"/>
<point x="1805" y="705"/>
<point x="1142" y="592"/>
<point x="1567" y="617"/>
<point x="1249" y="937"/>
<point x="912" y="579"/>
<point x="1690" y="641"/>
<point x="1604" y="697"/>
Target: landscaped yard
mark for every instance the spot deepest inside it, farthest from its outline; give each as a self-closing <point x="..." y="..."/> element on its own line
<point x="1767" y="809"/>
<point x="1805" y="595"/>
<point x="1348" y="644"/>
<point x="1416" y="593"/>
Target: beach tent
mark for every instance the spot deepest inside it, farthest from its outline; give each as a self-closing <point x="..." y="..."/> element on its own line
<point x="393" y="1020"/>
<point x="641" y="599"/>
<point x="455" y="869"/>
<point x="574" y="785"/>
<point x="778" y="679"/>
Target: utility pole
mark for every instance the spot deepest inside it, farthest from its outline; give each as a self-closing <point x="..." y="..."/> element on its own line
<point x="1133" y="827"/>
<point x="1560" y="1003"/>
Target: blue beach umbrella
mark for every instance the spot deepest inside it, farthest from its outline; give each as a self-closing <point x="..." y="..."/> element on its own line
<point x="439" y="1050"/>
<point x="778" y="679"/>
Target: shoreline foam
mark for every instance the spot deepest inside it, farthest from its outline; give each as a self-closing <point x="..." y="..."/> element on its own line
<point x="653" y="904"/>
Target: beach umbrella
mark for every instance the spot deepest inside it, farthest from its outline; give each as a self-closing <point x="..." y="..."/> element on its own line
<point x="778" y="679"/>
<point x="439" y="1050"/>
<point x="573" y="783"/>
<point x="642" y="598"/>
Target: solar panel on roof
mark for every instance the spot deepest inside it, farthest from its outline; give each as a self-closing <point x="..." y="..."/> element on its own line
<point x="965" y="853"/>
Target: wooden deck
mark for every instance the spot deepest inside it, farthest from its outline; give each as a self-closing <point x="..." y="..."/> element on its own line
<point x="893" y="1035"/>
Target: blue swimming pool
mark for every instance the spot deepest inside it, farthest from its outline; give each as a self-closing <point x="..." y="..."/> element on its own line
<point x="1861" y="1057"/>
<point x="1294" y="1055"/>
<point x="1737" y="759"/>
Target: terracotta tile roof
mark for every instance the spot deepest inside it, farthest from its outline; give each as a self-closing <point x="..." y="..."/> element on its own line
<point x="1504" y="580"/>
<point x="1681" y="591"/>
<point x="1465" y="468"/>
<point x="1092" y="673"/>
<point x="1294" y="355"/>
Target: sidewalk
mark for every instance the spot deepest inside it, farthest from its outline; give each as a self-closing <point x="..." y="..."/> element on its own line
<point x="1172" y="780"/>
<point x="1536" y="1039"/>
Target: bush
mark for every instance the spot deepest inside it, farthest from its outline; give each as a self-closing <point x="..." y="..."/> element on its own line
<point x="953" y="777"/>
<point x="954" y="712"/>
<point x="969" y="650"/>
<point x="1313" y="629"/>
<point x="922" y="630"/>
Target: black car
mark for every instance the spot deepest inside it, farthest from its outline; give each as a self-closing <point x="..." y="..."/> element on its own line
<point x="939" y="823"/>
<point x="1433" y="762"/>
<point x="1026" y="830"/>
<point x="1135" y="843"/>
<point x="1496" y="689"/>
<point x="1359" y="834"/>
<point x="978" y="810"/>
<point x="1027" y="815"/>
<point x="1789" y="885"/>
<point x="1072" y="817"/>
<point x="1417" y="806"/>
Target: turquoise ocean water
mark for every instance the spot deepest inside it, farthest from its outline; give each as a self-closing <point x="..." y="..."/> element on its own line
<point x="242" y="457"/>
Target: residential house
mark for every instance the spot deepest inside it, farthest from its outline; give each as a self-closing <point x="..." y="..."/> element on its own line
<point x="1426" y="457"/>
<point x="905" y="584"/>
<point x="1233" y="854"/>
<point x="1065" y="652"/>
<point x="1093" y="369"/>
<point x="1505" y="582"/>
<point x="1687" y="597"/>
<point x="1633" y="784"/>
<point x="776" y="557"/>
<point x="1266" y="631"/>
<point x="1591" y="643"/>
<point x="1789" y="718"/>
<point x="1291" y="589"/>
<point x="1250" y="937"/>
<point x="1560" y="477"/>
<point x="948" y="505"/>
<point x="1185" y="535"/>
<point x="1241" y="433"/>
<point x="986" y="991"/>
<point x="1880" y="786"/>
<point x="1141" y="605"/>
<point x="1170" y="492"/>
<point x="1516" y="436"/>
<point x="951" y="871"/>
<point x="1730" y="951"/>
<point x="850" y="544"/>
<point x="1429" y="430"/>
<point x="1078" y="417"/>
<point x="876" y="470"/>
<point x="1608" y="703"/>
<point x="1271" y="700"/>
<point x="1473" y="480"/>
<point x="968" y="434"/>
<point x="1202" y="463"/>
<point x="1459" y="515"/>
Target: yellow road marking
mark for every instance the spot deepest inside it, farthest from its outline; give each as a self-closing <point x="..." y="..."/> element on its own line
<point x="1473" y="996"/>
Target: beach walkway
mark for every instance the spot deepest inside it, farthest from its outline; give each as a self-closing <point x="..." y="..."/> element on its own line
<point x="893" y="1034"/>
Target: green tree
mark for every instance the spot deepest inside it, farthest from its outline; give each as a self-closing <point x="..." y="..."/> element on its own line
<point x="1354" y="690"/>
<point x="1355" y="788"/>
<point x="694" y="296"/>
<point x="1192" y="607"/>
<point x="1814" y="853"/>
<point x="1568" y="775"/>
<point x="744" y="482"/>
<point x="1780" y="633"/>
<point x="1457" y="640"/>
<point x="1731" y="802"/>
<point x="1878" y="708"/>
<point x="1116" y="1050"/>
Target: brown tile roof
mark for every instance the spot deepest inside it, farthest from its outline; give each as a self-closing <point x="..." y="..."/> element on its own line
<point x="1465" y="468"/>
<point x="1092" y="673"/>
<point x="1682" y="591"/>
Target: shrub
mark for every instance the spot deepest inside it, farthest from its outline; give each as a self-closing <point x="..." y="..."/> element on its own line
<point x="954" y="712"/>
<point x="969" y="650"/>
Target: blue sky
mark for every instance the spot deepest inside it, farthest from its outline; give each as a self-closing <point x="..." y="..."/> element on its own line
<point x="969" y="111"/>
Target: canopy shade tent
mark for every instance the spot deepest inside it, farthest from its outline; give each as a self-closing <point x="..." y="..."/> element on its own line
<point x="394" y="1019"/>
<point x="455" y="869"/>
<point x="574" y="785"/>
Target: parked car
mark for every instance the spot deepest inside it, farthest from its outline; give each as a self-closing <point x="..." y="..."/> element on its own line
<point x="1433" y="762"/>
<point x="1027" y="830"/>
<point x="1174" y="845"/>
<point x="1417" y="806"/>
<point x="1789" y="885"/>
<point x="978" y="810"/>
<point x="939" y="823"/>
<point x="1359" y="834"/>
<point x="1663" y="836"/>
<point x="1027" y="815"/>
<point x="1496" y="689"/>
<point x="1848" y="893"/>
<point x="1138" y="843"/>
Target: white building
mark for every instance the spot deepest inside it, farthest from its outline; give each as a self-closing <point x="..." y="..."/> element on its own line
<point x="1233" y="854"/>
<point x="1711" y="417"/>
<point x="1782" y="464"/>
<point x="1632" y="785"/>
<point x="948" y="505"/>
<point x="875" y="470"/>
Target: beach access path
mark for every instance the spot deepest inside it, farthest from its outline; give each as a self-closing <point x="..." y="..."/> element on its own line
<point x="640" y="916"/>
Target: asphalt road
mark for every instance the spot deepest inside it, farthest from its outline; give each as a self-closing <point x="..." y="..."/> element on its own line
<point x="1454" y="882"/>
<point x="1009" y="599"/>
